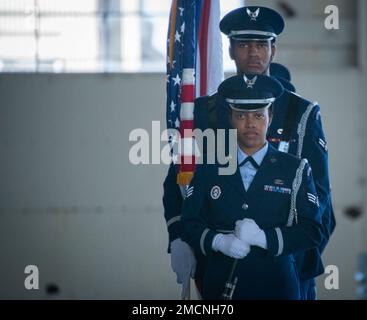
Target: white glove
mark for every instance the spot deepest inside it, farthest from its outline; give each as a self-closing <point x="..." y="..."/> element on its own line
<point x="231" y="246"/>
<point x="183" y="263"/>
<point x="248" y="231"/>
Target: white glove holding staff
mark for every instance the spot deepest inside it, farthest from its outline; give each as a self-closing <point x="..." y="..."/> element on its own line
<point x="230" y="245"/>
<point x="248" y="231"/>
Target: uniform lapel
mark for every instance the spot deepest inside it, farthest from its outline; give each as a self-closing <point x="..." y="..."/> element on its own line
<point x="266" y="170"/>
<point x="235" y="181"/>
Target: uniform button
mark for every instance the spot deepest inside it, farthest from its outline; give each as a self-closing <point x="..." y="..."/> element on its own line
<point x="245" y="206"/>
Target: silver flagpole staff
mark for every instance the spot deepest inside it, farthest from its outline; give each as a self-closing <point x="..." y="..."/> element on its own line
<point x="188" y="296"/>
<point x="230" y="285"/>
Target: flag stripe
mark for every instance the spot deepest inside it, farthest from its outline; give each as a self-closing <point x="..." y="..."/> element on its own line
<point x="203" y="45"/>
<point x="185" y="127"/>
<point x="188" y="76"/>
<point x="215" y="51"/>
<point x="187" y="110"/>
<point x="188" y="93"/>
<point x="187" y="162"/>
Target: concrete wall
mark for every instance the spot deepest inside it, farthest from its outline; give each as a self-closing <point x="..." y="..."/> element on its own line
<point x="72" y="204"/>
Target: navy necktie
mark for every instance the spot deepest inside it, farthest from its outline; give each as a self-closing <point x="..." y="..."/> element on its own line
<point x="252" y="160"/>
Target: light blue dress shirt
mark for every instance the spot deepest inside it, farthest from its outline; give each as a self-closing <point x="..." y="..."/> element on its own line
<point x="248" y="171"/>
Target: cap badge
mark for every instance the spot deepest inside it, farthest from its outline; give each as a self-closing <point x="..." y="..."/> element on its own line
<point x="253" y="15"/>
<point x="250" y="82"/>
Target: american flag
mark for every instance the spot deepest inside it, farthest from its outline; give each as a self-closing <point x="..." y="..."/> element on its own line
<point x="193" y="50"/>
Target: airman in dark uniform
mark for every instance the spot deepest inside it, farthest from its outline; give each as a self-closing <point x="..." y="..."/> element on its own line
<point x="250" y="225"/>
<point x="296" y="129"/>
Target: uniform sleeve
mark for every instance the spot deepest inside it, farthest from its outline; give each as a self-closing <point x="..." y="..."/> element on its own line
<point x="194" y="220"/>
<point x="303" y="230"/>
<point x="316" y="152"/>
<point x="172" y="202"/>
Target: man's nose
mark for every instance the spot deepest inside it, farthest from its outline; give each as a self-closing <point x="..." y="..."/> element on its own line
<point x="253" y="49"/>
<point x="250" y="122"/>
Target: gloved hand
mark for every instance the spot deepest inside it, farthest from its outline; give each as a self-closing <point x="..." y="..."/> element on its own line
<point x="183" y="263"/>
<point x="248" y="231"/>
<point x="230" y="245"/>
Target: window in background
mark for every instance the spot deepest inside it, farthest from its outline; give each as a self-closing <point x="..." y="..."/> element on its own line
<point x="88" y="35"/>
<point x="48" y="36"/>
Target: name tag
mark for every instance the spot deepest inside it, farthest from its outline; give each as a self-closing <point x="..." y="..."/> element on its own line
<point x="283" y="146"/>
<point x="277" y="189"/>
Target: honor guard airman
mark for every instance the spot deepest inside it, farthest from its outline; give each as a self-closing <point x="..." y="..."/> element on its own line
<point x="296" y="129"/>
<point x="250" y="225"/>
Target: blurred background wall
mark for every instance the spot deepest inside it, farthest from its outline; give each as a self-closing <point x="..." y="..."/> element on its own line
<point x="72" y="203"/>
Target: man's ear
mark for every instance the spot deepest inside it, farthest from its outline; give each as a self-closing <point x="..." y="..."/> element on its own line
<point x="273" y="51"/>
<point x="230" y="51"/>
<point x="230" y="116"/>
<point x="270" y="117"/>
